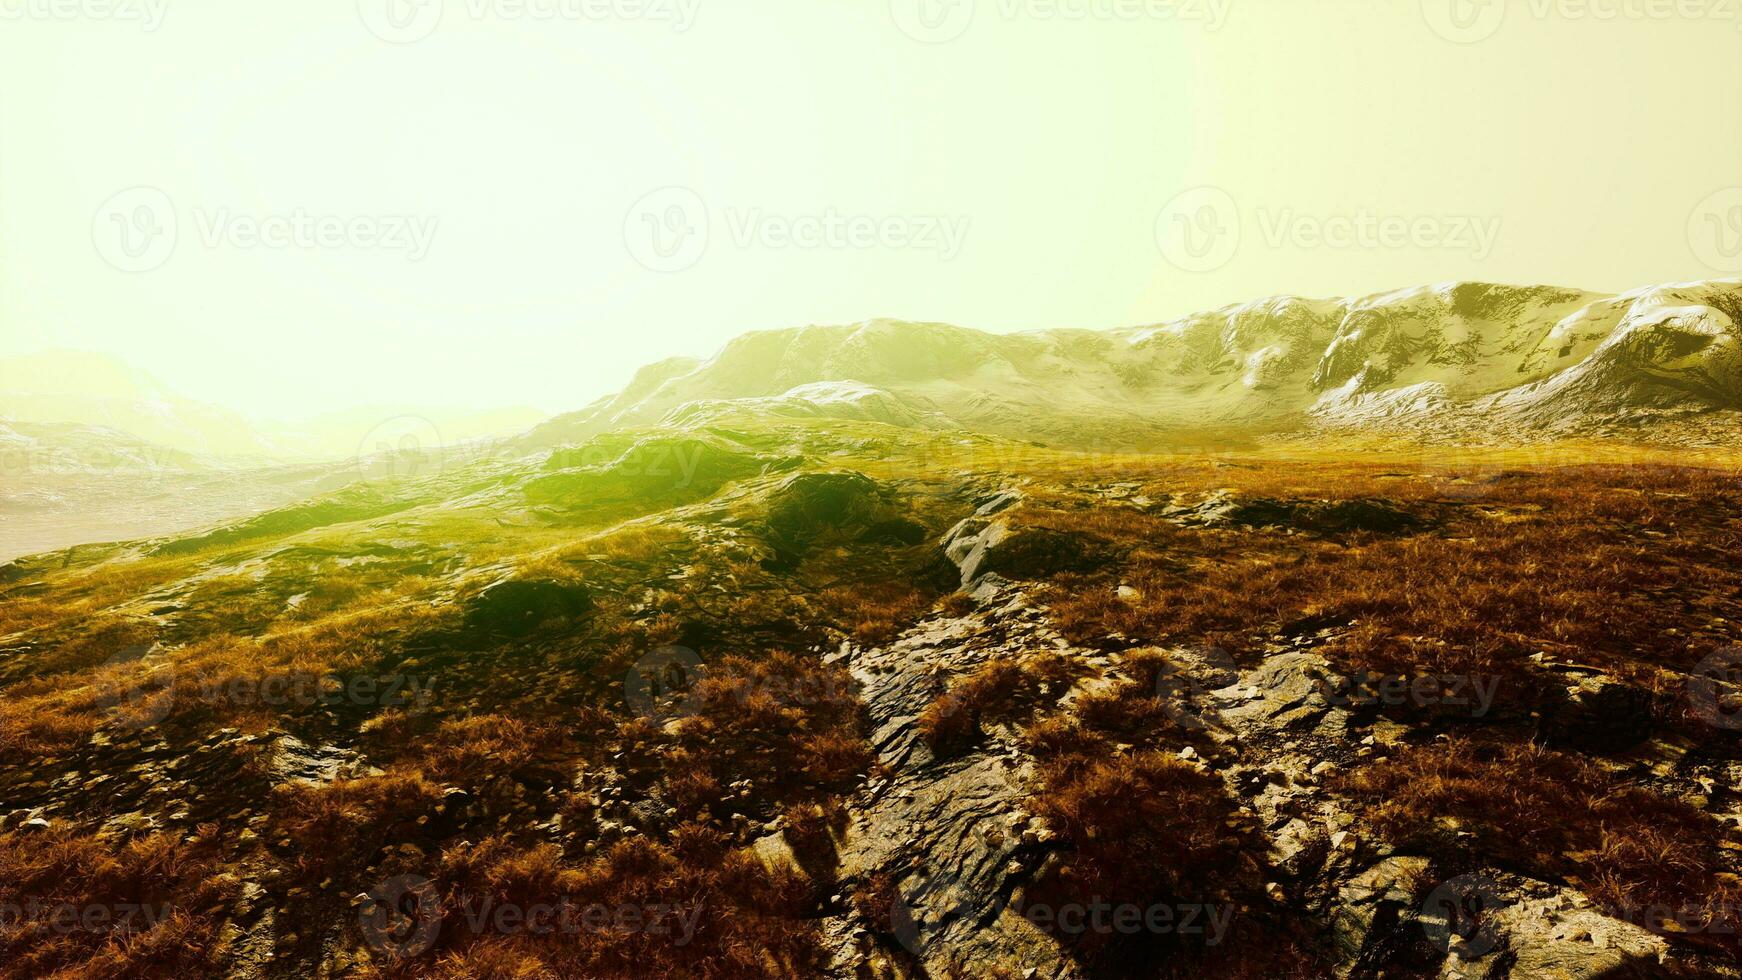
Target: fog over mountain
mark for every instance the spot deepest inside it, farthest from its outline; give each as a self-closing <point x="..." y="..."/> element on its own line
<point x="1454" y="360"/>
<point x="96" y="391"/>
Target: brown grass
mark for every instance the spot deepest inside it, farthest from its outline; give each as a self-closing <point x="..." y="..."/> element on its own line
<point x="1591" y="565"/>
<point x="788" y="723"/>
<point x="1552" y="815"/>
<point x="80" y="907"/>
<point x="749" y="920"/>
<point x="1003" y="689"/>
<point x="336" y="828"/>
<point x="1149" y="830"/>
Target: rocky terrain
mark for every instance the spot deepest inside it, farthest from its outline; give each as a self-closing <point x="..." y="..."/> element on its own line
<point x="795" y="663"/>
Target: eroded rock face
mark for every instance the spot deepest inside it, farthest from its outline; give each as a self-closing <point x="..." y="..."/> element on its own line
<point x="950" y="835"/>
<point x="1479" y="925"/>
<point x="1369" y="907"/>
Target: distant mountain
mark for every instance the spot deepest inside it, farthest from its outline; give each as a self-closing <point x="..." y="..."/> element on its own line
<point x="1455" y="360"/>
<point x="28" y="448"/>
<point x="75" y="390"/>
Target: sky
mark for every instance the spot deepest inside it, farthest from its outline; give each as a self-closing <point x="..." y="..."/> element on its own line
<point x="291" y="209"/>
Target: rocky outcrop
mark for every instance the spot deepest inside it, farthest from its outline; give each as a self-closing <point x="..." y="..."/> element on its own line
<point x="949" y="837"/>
<point x="1225" y="509"/>
<point x="983" y="546"/>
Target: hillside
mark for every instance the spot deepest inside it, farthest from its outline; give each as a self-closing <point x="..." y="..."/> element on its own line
<point x="807" y="696"/>
<point x="811" y="660"/>
<point x="1459" y="361"/>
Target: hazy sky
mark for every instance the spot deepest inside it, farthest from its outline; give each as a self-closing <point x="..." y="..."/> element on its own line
<point x="270" y="206"/>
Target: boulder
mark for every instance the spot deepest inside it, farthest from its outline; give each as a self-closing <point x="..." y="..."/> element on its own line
<point x="1599" y="714"/>
<point x="810" y="506"/>
<point x="516" y="607"/>
<point x="1561" y="938"/>
<point x="1369" y="908"/>
<point x="979" y="547"/>
<point x="1224" y="509"/>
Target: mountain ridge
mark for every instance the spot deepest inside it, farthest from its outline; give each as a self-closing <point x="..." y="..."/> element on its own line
<point x="1453" y="359"/>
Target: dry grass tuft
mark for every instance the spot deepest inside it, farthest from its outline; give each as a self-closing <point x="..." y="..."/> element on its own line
<point x="720" y="913"/>
<point x="81" y="907"/>
<point x="1004" y="689"/>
